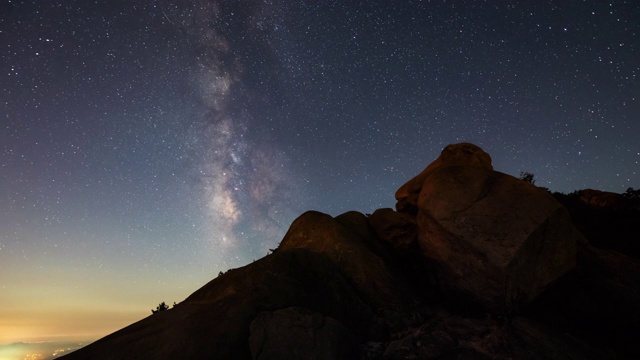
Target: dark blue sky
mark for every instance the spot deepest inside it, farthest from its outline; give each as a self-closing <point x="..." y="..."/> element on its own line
<point x="152" y="144"/>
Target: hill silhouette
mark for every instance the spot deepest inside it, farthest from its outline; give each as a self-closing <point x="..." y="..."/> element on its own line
<point x="472" y="264"/>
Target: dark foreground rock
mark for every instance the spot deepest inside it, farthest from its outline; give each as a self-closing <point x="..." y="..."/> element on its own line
<point x="477" y="265"/>
<point x="313" y="335"/>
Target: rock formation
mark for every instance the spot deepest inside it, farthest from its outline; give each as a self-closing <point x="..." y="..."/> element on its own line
<point x="475" y="265"/>
<point x="601" y="199"/>
<point x="491" y="235"/>
<point x="464" y="154"/>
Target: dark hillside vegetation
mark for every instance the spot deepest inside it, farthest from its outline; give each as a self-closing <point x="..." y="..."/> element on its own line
<point x="614" y="225"/>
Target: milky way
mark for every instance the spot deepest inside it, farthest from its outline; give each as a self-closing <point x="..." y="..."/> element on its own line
<point x="242" y="180"/>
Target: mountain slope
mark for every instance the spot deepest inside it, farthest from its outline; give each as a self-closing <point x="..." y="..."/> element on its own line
<point x="475" y="264"/>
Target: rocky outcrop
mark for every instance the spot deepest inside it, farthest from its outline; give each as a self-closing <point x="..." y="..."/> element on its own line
<point x="602" y="199"/>
<point x="490" y="235"/>
<point x="349" y="251"/>
<point x="398" y="285"/>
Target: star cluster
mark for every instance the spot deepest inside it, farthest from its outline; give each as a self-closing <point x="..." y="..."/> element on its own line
<point x="145" y="146"/>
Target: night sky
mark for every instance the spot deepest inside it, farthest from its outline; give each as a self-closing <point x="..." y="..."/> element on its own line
<point x="147" y="145"/>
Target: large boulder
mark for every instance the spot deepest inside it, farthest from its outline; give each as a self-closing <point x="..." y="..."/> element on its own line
<point x="462" y="154"/>
<point x="350" y="249"/>
<point x="490" y="235"/>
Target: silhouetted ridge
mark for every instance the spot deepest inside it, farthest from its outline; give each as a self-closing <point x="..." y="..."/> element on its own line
<point x="474" y="264"/>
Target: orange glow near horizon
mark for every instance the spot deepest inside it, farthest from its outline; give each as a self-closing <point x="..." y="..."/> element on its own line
<point x="66" y="304"/>
<point x="63" y="325"/>
<point x="60" y="301"/>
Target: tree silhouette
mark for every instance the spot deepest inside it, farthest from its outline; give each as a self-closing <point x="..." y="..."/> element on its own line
<point x="161" y="307"/>
<point x="527" y="177"/>
<point x="632" y="196"/>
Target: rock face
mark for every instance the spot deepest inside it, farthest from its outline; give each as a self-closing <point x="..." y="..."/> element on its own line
<point x="398" y="285"/>
<point x="297" y="333"/>
<point x="463" y="154"/>
<point x="395" y="228"/>
<point x="490" y="235"/>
